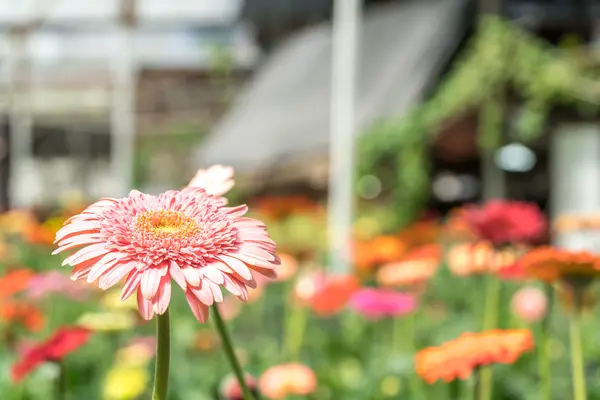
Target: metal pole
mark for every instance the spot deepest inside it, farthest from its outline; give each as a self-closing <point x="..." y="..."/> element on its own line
<point x="123" y="102"/>
<point x="346" y="19"/>
<point x="20" y="115"/>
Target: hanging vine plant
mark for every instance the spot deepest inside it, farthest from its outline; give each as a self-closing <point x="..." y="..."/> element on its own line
<point x="499" y="57"/>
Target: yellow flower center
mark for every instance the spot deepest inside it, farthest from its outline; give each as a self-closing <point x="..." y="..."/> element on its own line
<point x="165" y="224"/>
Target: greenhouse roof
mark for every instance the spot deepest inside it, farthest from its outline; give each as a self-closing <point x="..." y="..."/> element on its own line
<point x="284" y="112"/>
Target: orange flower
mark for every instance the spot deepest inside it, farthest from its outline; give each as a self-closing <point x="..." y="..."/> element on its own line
<point x="420" y="233"/>
<point x="205" y="340"/>
<point x="381" y="250"/>
<point x="416" y="268"/>
<point x="282" y="206"/>
<point x="550" y="264"/>
<point x="325" y="295"/>
<point x="22" y="313"/>
<point x="458" y="358"/>
<point x="481" y="257"/>
<point x="570" y="223"/>
<point x="288" y="267"/>
<point x="14" y="282"/>
<point x="281" y="381"/>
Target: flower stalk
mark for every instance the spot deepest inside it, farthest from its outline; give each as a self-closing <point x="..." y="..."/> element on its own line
<point x="545" y="363"/>
<point x="163" y="357"/>
<point x="230" y="353"/>
<point x="490" y="321"/>
<point x="577" y="364"/>
<point x="61" y="381"/>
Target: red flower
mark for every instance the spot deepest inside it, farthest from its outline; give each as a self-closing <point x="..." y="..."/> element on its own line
<point x="502" y="222"/>
<point x="64" y="341"/>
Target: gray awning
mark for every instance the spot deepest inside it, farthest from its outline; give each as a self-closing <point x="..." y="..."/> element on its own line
<point x="283" y="114"/>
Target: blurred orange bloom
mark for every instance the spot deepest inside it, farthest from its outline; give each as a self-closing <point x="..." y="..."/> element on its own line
<point x="481" y="257"/>
<point x="281" y="381"/>
<point x="458" y="358"/>
<point x="325" y="294"/>
<point x="36" y="233"/>
<point x="14" y="222"/>
<point x="378" y="251"/>
<point x="415" y="268"/>
<point x="205" y="340"/>
<point x="22" y="313"/>
<point x="334" y="294"/>
<point x="282" y="206"/>
<point x="570" y="223"/>
<point x="288" y="267"/>
<point x="420" y="233"/>
<point x="14" y="282"/>
<point x="550" y="264"/>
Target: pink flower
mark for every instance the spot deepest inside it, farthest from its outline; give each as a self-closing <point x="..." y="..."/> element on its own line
<point x="51" y="282"/>
<point x="530" y="304"/>
<point x="216" y="180"/>
<point x="187" y="236"/>
<point x="230" y="388"/>
<point x="502" y="222"/>
<point x="377" y="303"/>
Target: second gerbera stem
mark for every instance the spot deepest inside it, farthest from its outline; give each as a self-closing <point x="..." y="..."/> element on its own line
<point x="579" y="387"/>
<point x="163" y="357"/>
<point x="230" y="353"/>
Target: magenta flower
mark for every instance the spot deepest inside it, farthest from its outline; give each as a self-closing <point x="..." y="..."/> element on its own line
<point x="378" y="303"/>
<point x="187" y="236"/>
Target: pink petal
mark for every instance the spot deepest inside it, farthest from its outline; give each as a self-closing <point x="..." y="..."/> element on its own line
<point x="238" y="211"/>
<point x="177" y="274"/>
<point x="116" y="274"/>
<point x="215" y="290"/>
<point x="131" y="284"/>
<point x="204" y="294"/>
<point x="199" y="309"/>
<point x="213" y="273"/>
<point x="268" y="272"/>
<point x="85" y="254"/>
<point x="232" y="285"/>
<point x="102" y="266"/>
<point x="145" y="306"/>
<point x="238" y="266"/>
<point x="78" y="241"/>
<point x="163" y="297"/>
<point x="150" y="281"/>
<point x="77" y="229"/>
<point x="192" y="275"/>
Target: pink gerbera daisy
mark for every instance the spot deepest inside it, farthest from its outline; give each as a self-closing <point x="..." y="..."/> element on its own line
<point x="188" y="236"/>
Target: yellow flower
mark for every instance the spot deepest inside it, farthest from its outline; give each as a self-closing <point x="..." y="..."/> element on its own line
<point x="108" y="321"/>
<point x="112" y="301"/>
<point x="135" y="355"/>
<point x="125" y="383"/>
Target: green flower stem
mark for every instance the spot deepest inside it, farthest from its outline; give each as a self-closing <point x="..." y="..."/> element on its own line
<point x="61" y="381"/>
<point x="163" y="357"/>
<point x="579" y="387"/>
<point x="230" y="353"/>
<point x="545" y="363"/>
<point x="490" y="321"/>
<point x="295" y="326"/>
<point x="409" y="335"/>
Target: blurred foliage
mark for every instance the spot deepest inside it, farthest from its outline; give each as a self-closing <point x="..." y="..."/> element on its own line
<point x="499" y="58"/>
<point x="177" y="144"/>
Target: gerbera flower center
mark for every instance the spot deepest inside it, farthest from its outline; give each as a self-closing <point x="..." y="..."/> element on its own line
<point x="166" y="224"/>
